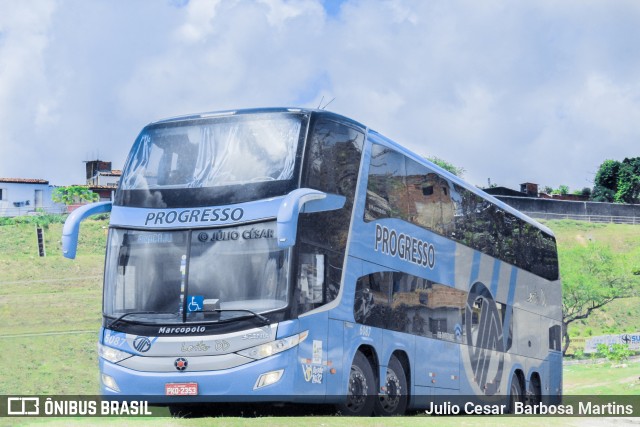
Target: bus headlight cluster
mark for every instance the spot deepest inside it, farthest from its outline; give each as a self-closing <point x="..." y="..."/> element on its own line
<point x="274" y="347"/>
<point x="111" y="354"/>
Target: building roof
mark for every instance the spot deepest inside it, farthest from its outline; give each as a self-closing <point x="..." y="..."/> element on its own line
<point x="114" y="172"/>
<point x="24" y="181"/>
<point x="504" y="191"/>
<point x="101" y="187"/>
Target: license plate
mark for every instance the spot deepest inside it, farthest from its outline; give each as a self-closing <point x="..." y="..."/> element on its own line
<point x="181" y="389"/>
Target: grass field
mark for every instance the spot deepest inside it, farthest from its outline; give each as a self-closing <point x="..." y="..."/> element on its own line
<point x="50" y="311"/>
<point x="620" y="315"/>
<point x="50" y="315"/>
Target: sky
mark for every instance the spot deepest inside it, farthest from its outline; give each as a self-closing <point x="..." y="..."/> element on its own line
<point x="512" y="91"/>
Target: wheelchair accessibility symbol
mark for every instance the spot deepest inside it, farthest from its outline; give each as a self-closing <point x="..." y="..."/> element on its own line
<point x="196" y="303"/>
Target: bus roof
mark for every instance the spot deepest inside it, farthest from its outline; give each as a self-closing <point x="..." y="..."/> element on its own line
<point x="224" y="113"/>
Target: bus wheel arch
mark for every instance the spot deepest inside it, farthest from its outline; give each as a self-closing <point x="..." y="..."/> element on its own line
<point x="362" y="384"/>
<point x="396" y="387"/>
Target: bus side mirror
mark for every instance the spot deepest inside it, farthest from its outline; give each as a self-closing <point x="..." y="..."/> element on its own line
<point x="72" y="225"/>
<point x="302" y="200"/>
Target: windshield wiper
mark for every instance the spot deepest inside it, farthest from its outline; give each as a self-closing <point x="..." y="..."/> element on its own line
<point x="260" y="317"/>
<point x="250" y="314"/>
<point x="119" y="319"/>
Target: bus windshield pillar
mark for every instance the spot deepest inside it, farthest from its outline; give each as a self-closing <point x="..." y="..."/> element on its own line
<point x="298" y="201"/>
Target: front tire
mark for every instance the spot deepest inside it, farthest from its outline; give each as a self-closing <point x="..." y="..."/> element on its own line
<point x="361" y="389"/>
<point x="394" y="401"/>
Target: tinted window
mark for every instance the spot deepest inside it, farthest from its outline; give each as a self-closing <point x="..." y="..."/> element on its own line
<point x="332" y="163"/>
<point x="429" y="203"/>
<point x="406" y="303"/>
<point x="402" y="188"/>
<point x="555" y="338"/>
<point x="386" y="188"/>
<point x="373" y="299"/>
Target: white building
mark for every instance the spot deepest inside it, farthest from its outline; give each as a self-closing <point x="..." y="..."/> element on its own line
<point x="20" y="196"/>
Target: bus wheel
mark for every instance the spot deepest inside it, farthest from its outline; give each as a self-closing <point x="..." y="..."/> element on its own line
<point x="394" y="401"/>
<point x="515" y="393"/>
<point x="361" y="389"/>
<point x="535" y="391"/>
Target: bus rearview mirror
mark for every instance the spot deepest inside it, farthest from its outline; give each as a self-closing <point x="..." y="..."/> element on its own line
<point x="72" y="225"/>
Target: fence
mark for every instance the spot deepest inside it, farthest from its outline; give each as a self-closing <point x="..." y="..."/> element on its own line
<point x="30" y="210"/>
<point x="581" y="211"/>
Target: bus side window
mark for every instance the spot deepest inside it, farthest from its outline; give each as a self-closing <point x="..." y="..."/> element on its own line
<point x="372" y="305"/>
<point x="386" y="186"/>
<point x="430" y="203"/>
<point x="311" y="278"/>
<point x="331" y="165"/>
<point x="334" y="158"/>
<point x="555" y="338"/>
<point x="425" y="308"/>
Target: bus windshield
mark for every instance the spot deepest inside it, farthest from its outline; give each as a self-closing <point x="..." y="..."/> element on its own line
<point x="194" y="275"/>
<point x="214" y="152"/>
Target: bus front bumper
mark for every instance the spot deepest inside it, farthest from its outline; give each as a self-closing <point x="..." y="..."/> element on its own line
<point x="267" y="380"/>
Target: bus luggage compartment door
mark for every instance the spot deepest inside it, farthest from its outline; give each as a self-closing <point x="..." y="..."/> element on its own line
<point x="437" y="363"/>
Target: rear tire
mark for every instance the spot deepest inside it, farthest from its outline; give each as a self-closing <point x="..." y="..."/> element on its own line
<point x="515" y="392"/>
<point x="535" y="391"/>
<point x="394" y="401"/>
<point x="361" y="389"/>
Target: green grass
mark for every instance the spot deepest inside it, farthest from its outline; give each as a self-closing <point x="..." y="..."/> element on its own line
<point x="318" y="422"/>
<point x="602" y="379"/>
<point x="50" y="311"/>
<point x="620" y="237"/>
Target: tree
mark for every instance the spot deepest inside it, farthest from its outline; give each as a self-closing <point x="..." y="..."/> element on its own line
<point x="602" y="194"/>
<point x="458" y="171"/>
<point x="586" y="192"/>
<point x="618" y="181"/>
<point x="73" y="194"/>
<point x="593" y="276"/>
<point x="607" y="175"/>
<point x="628" y="184"/>
<point x="563" y="190"/>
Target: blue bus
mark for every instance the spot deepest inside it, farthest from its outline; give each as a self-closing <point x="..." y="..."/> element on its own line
<point x="296" y="255"/>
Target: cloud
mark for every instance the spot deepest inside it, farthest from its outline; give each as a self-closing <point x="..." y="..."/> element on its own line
<point x="513" y="91"/>
<point x="26" y="103"/>
<point x="231" y="54"/>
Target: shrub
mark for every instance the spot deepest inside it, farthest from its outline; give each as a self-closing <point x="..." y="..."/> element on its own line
<point x="42" y="220"/>
<point x="619" y="353"/>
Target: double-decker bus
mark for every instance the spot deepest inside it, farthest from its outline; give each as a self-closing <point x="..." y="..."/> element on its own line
<point x="297" y="255"/>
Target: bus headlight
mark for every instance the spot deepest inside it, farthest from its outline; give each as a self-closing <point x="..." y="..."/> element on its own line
<point x="268" y="379"/>
<point x="269" y="349"/>
<point x="109" y="382"/>
<point x="111" y="354"/>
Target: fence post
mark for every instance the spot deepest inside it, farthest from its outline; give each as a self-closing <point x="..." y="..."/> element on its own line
<point x="40" y="236"/>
